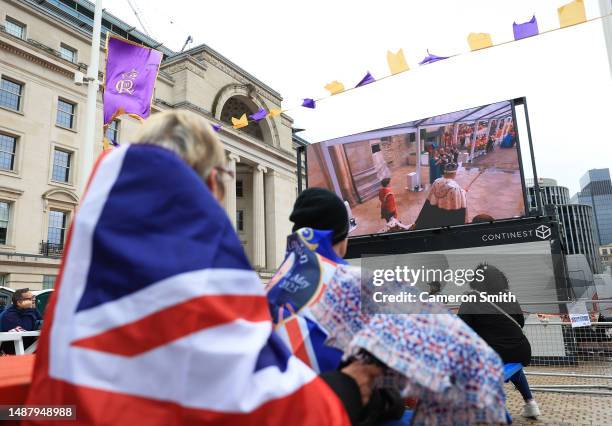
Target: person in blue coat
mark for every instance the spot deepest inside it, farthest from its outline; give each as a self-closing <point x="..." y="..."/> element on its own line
<point x="22" y="313"/>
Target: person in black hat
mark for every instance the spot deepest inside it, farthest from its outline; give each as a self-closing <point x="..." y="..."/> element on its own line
<point x="320" y="208"/>
<point x="446" y="203"/>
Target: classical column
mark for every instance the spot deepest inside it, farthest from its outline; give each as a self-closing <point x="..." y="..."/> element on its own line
<point x="230" y="189"/>
<point x="259" y="218"/>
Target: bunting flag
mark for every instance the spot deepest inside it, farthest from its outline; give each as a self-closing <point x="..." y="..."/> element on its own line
<point x="259" y="115"/>
<point x="216" y="127"/>
<point x="309" y="103"/>
<point x="429" y="59"/>
<point x="367" y="79"/>
<point x="572" y="13"/>
<point x="479" y="41"/>
<point x="526" y="29"/>
<point x="240" y="123"/>
<point x="397" y="62"/>
<point x="335" y="87"/>
<point x="131" y="72"/>
<point x="275" y="112"/>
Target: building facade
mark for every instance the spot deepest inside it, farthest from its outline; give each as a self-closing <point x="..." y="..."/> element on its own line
<point x="42" y="46"/>
<point x="605" y="253"/>
<point x="579" y="234"/>
<point x="596" y="191"/>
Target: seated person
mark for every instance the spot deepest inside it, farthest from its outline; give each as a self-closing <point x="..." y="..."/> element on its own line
<point x="23" y="314"/>
<point x="500" y="325"/>
<point x="446" y="203"/>
<point x="483" y="218"/>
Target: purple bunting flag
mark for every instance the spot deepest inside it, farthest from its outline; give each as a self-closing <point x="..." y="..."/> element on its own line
<point x="131" y="71"/>
<point x="259" y="115"/>
<point x="431" y="58"/>
<point x="216" y="127"/>
<point x="526" y="29"/>
<point x="309" y="103"/>
<point x="367" y="79"/>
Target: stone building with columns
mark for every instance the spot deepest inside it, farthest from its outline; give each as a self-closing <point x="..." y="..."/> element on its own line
<point x="42" y="46"/>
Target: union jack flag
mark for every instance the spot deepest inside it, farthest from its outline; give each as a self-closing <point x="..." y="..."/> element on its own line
<point x="158" y="318"/>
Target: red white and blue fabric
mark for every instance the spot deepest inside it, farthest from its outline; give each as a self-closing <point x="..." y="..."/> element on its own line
<point x="158" y="318"/>
<point x="309" y="263"/>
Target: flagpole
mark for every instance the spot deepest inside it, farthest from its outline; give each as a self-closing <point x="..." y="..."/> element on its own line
<point x="605" y="7"/>
<point x="88" y="142"/>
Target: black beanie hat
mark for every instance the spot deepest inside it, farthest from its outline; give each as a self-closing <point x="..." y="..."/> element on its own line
<point x="319" y="208"/>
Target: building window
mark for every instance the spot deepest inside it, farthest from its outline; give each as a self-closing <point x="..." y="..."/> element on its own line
<point x="68" y="53"/>
<point x="14" y="27"/>
<point x="240" y="220"/>
<point x="48" y="282"/>
<point x="65" y="114"/>
<point x="239" y="188"/>
<point x="61" y="166"/>
<point x="4" y="221"/>
<point x="57" y="228"/>
<point x="10" y="94"/>
<point x="8" y="145"/>
<point x="112" y="133"/>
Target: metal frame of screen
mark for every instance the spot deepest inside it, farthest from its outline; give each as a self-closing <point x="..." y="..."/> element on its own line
<point x="302" y="162"/>
<point x="450" y="238"/>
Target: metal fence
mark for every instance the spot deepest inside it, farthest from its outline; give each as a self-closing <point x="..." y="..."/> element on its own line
<point x="570" y="360"/>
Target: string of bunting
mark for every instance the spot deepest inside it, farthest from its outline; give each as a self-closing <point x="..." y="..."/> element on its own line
<point x="570" y="14"/>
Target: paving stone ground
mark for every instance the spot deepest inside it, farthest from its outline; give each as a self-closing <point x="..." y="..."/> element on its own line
<point x="564" y="408"/>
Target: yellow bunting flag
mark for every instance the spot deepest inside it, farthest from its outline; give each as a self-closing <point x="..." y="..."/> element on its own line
<point x="105" y="144"/>
<point x="274" y="112"/>
<point x="397" y="61"/>
<point x="479" y="41"/>
<point x="240" y="123"/>
<point x="335" y="87"/>
<point x="572" y="13"/>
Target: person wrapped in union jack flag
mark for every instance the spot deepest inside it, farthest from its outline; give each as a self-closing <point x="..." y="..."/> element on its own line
<point x="158" y="317"/>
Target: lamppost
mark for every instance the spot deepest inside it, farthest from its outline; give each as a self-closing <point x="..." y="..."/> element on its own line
<point x="88" y="142"/>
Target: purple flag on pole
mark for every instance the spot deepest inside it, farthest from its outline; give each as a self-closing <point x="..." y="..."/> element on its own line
<point x="131" y="71"/>
<point x="309" y="103"/>
<point x="367" y="79"/>
<point x="216" y="127"/>
<point x="259" y="115"/>
<point x="526" y="29"/>
<point x="431" y="58"/>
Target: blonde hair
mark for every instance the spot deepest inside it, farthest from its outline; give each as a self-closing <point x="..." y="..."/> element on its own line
<point x="188" y="135"/>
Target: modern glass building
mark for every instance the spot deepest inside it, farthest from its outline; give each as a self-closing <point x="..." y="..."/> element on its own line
<point x="596" y="191"/>
<point x="579" y="233"/>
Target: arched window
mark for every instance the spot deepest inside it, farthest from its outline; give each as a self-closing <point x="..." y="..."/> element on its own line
<point x="235" y="107"/>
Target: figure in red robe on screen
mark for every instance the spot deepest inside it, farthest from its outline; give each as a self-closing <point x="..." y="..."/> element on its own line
<point x="446" y="203"/>
<point x="388" y="208"/>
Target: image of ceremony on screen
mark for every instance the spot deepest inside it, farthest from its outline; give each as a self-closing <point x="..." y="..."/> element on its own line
<point x="451" y="169"/>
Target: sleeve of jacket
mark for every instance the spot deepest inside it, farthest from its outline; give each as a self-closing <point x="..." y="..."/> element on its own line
<point x="348" y="392"/>
<point x="10" y="320"/>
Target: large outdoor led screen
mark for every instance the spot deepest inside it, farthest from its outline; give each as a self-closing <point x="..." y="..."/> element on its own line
<point x="451" y="169"/>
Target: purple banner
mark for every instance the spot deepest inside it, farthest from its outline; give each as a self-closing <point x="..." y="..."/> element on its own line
<point x="367" y="79"/>
<point x="131" y="71"/>
<point x="431" y="58"/>
<point x="526" y="29"/>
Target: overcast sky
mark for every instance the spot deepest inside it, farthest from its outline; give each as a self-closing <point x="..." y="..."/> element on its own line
<point x="298" y="47"/>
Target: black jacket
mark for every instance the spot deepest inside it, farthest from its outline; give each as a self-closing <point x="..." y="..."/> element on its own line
<point x="501" y="333"/>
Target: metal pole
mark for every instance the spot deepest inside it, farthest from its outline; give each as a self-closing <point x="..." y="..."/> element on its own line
<point x="418" y="158"/>
<point x="299" y="167"/>
<point x="583" y="376"/>
<point x="605" y="6"/>
<point x="89" y="140"/>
